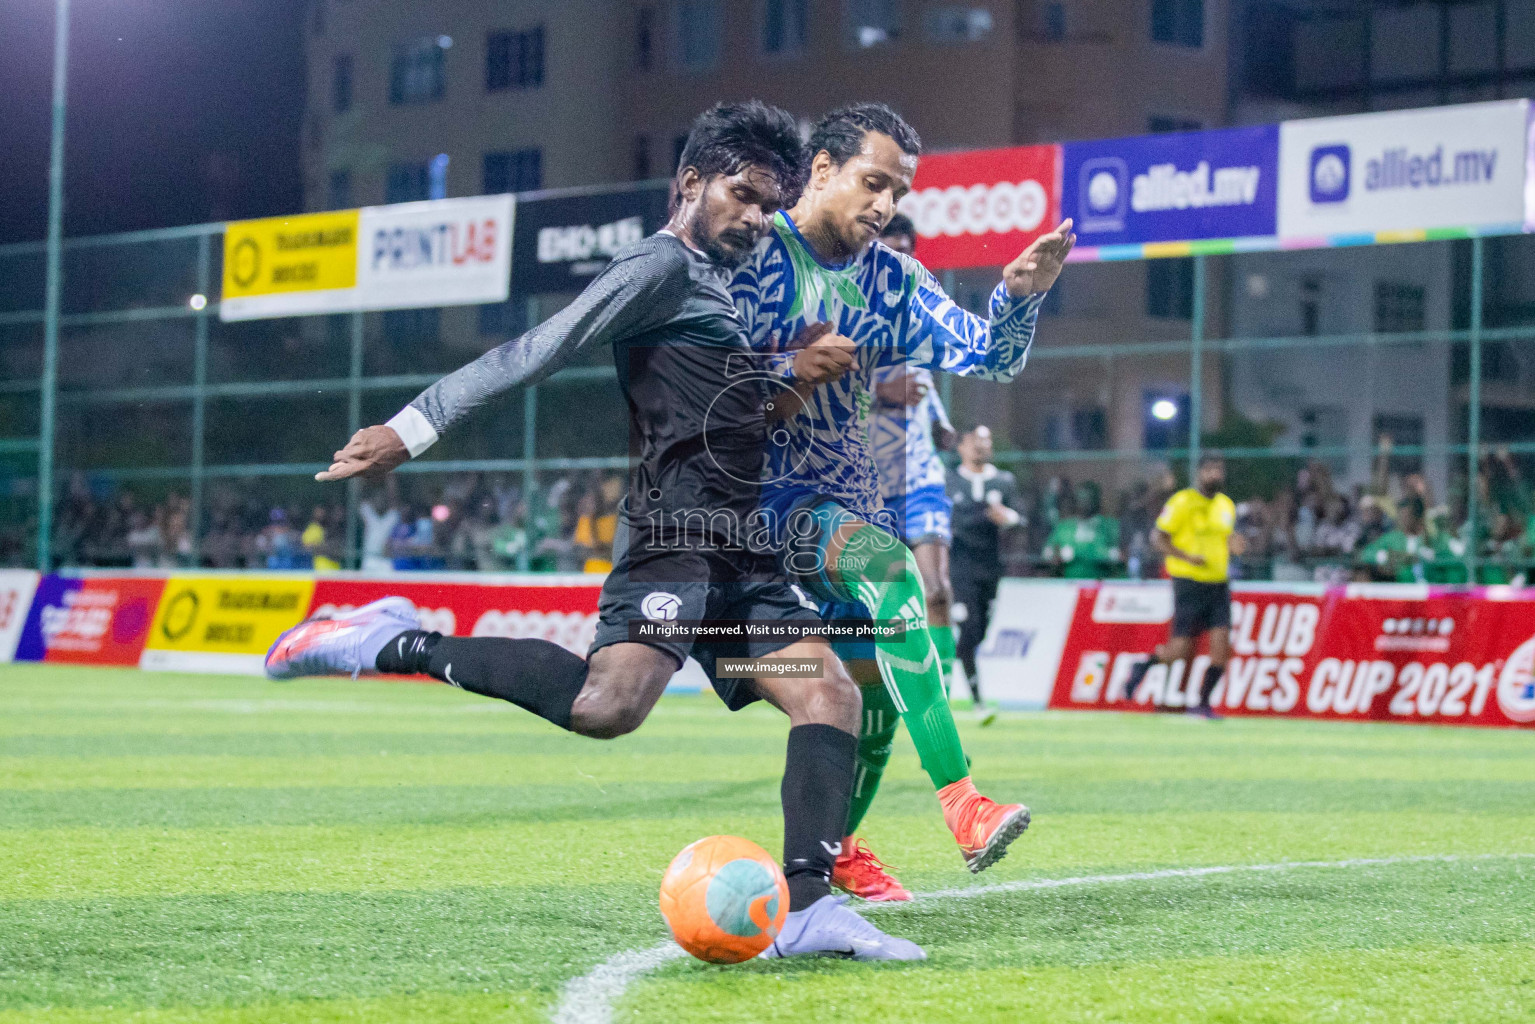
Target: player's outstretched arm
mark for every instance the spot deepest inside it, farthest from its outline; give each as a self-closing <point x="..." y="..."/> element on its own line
<point x="637" y="290"/>
<point x="942" y="336"/>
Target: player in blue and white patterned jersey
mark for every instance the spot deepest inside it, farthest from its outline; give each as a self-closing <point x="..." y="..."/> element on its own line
<point x="830" y="307"/>
<point x="911" y="475"/>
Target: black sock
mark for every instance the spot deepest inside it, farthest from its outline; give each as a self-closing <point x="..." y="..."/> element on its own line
<point x="972" y="678"/>
<point x="1137" y="674"/>
<point x="817" y="789"/>
<point x="537" y="675"/>
<point x="1207" y="685"/>
<point x="408" y="654"/>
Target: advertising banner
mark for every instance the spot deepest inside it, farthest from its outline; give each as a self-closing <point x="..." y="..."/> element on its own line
<point x="562" y="242"/>
<point x="1174" y="187"/>
<point x="1393" y="654"/>
<point x="562" y="614"/>
<point x="1459" y="167"/>
<point x="97" y="620"/>
<point x="223" y="623"/>
<point x="17" y="587"/>
<point x="1029" y="623"/>
<point x="441" y="252"/>
<point x="981" y="208"/>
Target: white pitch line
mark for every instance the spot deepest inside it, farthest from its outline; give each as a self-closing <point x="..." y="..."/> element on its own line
<point x="590" y="998"/>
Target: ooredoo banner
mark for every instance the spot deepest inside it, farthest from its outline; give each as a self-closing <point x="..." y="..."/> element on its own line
<point x="1381" y="653"/>
<point x="1409" y="170"/>
<point x="1175" y="187"/>
<point x="562" y="614"/>
<point x="981" y="208"/>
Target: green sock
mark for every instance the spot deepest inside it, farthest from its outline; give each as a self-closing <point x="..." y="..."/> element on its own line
<point x="874" y="738"/>
<point x="881" y="572"/>
<point x="943" y="642"/>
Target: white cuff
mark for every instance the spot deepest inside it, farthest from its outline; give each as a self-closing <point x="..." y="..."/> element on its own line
<point x="414" y="429"/>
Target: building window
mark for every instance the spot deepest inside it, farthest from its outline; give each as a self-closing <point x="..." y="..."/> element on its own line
<point x="785" y="25"/>
<point x="341" y="84"/>
<point x="514" y="60"/>
<point x="698" y="35"/>
<point x="645" y="38"/>
<point x="338" y="190"/>
<point x="407" y="183"/>
<point x="640" y="158"/>
<point x="1180" y="22"/>
<point x="416" y="74"/>
<point x="1398" y="307"/>
<point x="520" y="170"/>
<point x="870" y="23"/>
<point x="1055" y="22"/>
<point x="411" y="330"/>
<point x="1157" y="124"/>
<point x="504" y="319"/>
<point x="1170" y="288"/>
<point x="957" y="24"/>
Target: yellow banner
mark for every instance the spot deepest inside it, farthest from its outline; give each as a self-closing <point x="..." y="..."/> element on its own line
<point x="227" y="615"/>
<point x="279" y="255"/>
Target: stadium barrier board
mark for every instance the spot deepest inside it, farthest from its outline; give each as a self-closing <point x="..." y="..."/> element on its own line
<point x="1449" y="656"/>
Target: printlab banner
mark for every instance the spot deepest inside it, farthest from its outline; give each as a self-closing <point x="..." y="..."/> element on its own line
<point x="1404" y="171"/>
<point x="1175" y="187"/>
<point x="982" y="208"/>
<point x="1404" y="654"/>
<point x="441" y="252"/>
<point x="564" y="241"/>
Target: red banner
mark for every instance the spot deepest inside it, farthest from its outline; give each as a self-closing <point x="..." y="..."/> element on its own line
<point x="1370" y="653"/>
<point x="981" y="208"/>
<point x="562" y="613"/>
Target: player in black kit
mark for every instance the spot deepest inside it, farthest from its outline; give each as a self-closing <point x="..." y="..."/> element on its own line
<point x="698" y="415"/>
<point x="985" y="504"/>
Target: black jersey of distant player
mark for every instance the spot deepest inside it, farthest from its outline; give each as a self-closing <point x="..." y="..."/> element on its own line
<point x="976" y="537"/>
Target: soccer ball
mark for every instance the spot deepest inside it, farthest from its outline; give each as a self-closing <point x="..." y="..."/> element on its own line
<point x="724" y="898"/>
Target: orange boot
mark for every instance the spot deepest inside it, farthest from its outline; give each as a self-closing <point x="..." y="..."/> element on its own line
<point x="862" y="874"/>
<point x="983" y="827"/>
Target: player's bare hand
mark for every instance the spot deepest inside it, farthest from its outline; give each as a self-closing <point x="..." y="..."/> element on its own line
<point x="823" y="355"/>
<point x="1037" y="267"/>
<point x="1000" y="514"/>
<point x="908" y="389"/>
<point x="1237" y="544"/>
<point x="1198" y="561"/>
<point x="946" y="438"/>
<point x="372" y="452"/>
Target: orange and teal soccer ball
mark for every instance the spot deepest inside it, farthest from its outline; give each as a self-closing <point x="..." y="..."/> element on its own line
<point x="724" y="899"/>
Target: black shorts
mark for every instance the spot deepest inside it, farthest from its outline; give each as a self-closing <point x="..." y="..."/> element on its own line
<point x="1198" y="607"/>
<point x="688" y="586"/>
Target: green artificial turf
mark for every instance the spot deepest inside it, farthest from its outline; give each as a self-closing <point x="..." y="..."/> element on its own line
<point x="182" y="848"/>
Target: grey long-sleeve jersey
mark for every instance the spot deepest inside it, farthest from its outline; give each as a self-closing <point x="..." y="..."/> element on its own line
<point x="685" y="368"/>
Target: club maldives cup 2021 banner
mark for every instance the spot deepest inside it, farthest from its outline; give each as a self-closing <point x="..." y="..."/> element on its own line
<point x="983" y="207"/>
<point x="1407" y="654"/>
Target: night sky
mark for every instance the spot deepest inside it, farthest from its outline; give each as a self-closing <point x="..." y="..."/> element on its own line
<point x="180" y="111"/>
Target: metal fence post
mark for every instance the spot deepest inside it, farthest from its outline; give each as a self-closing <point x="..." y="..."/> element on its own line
<point x="49" y="384"/>
<point x="353" y="425"/>
<point x="1196" y="368"/>
<point x="199" y="399"/>
<point x="529" y="471"/>
<point x="1474" y="410"/>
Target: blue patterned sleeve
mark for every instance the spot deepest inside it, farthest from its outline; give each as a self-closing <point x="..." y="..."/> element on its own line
<point x="938" y="334"/>
<point x="761" y="289"/>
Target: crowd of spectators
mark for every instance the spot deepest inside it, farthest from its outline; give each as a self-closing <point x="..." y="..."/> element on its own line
<point x="1311" y="527"/>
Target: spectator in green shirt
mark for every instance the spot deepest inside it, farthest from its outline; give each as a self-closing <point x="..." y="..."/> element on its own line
<point x="1085" y="545"/>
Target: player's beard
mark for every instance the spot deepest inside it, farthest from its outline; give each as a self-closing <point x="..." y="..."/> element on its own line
<point x="728" y="249"/>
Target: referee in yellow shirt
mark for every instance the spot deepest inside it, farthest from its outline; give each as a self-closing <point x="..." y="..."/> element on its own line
<point x="1195" y="534"/>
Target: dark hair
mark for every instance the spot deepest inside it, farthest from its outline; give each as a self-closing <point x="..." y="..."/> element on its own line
<point x="899" y="224"/>
<point x="730" y="136"/>
<point x="841" y="132"/>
